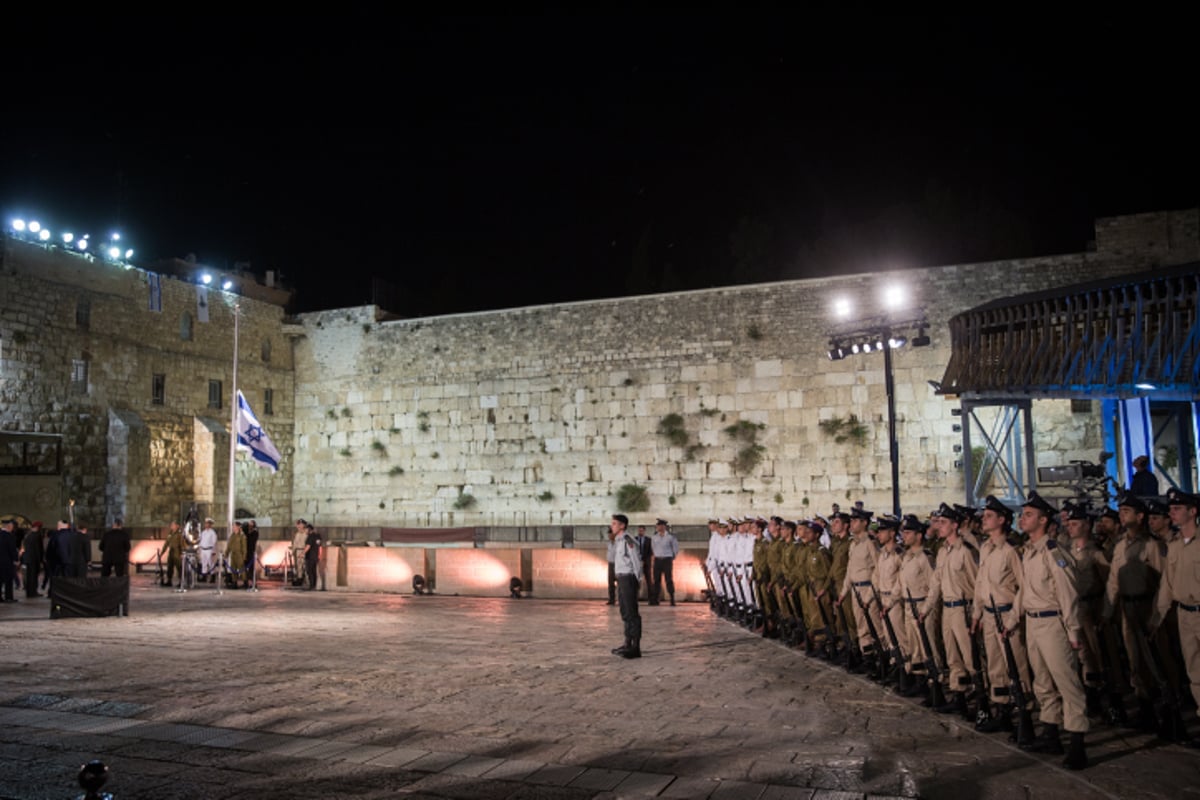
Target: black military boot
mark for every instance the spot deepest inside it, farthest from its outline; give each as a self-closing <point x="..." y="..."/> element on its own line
<point x="1146" y="719"/>
<point x="672" y="598"/>
<point x="1047" y="741"/>
<point x="957" y="704"/>
<point x="1076" y="755"/>
<point x="620" y="651"/>
<point x="1000" y="719"/>
<point x="1094" y="707"/>
<point x="633" y="651"/>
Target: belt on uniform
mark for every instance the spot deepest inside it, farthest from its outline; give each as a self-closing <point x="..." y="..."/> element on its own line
<point x="860" y="583"/>
<point x="1053" y="612"/>
<point x="206" y="548"/>
<point x="916" y="599"/>
<point x="1003" y="609"/>
<point x="955" y="603"/>
<point x="1186" y="607"/>
<point x="1136" y="598"/>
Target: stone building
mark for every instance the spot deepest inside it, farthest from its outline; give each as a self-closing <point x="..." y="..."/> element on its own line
<point x="709" y="402"/>
<point x="138" y="401"/>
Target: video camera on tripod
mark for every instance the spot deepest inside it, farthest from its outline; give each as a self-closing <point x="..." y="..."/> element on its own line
<point x="1087" y="482"/>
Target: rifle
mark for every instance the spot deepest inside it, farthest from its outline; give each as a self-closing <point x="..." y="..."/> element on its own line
<point x="728" y="603"/>
<point x="712" y="589"/>
<point x="896" y="653"/>
<point x="839" y="619"/>
<point x="796" y="610"/>
<point x="874" y="633"/>
<point x="1113" y="674"/>
<point x="932" y="673"/>
<point x="978" y="687"/>
<point x="830" y="635"/>
<point x="1024" y="720"/>
<point x="1170" y="722"/>
<point x="739" y="581"/>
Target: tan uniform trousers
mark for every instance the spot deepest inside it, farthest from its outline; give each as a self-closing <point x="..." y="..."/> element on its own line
<point x="1056" y="674"/>
<point x="1139" y="672"/>
<point x="896" y="617"/>
<point x="957" y="639"/>
<point x="917" y="655"/>
<point x="997" y="665"/>
<point x="1089" y="654"/>
<point x="865" y="643"/>
<point x="847" y="622"/>
<point x="1189" y="641"/>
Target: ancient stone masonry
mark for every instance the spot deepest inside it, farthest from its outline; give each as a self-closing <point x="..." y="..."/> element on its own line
<point x="710" y="401"/>
<point x="539" y="415"/>
<point x="81" y="358"/>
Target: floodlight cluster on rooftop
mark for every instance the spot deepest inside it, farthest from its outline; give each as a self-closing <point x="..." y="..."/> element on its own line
<point x="33" y="230"/>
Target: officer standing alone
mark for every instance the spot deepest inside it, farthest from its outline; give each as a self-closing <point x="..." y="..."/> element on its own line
<point x="627" y="564"/>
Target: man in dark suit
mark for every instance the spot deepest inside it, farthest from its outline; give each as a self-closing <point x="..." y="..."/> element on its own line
<point x="8" y="559"/>
<point x="115" y="546"/>
<point x="646" y="551"/>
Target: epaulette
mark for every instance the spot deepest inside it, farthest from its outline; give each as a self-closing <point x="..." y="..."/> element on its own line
<point x="927" y="551"/>
<point x="1051" y="544"/>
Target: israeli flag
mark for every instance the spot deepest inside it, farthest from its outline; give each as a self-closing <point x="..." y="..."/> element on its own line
<point x="252" y="438"/>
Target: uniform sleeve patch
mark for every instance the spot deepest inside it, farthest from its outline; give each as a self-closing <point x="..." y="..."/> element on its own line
<point x="1062" y="563"/>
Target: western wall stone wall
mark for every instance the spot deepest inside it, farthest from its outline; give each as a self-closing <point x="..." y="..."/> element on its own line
<point x="539" y="415"/>
<point x="124" y="455"/>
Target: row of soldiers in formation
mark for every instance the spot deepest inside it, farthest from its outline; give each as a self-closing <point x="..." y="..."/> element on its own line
<point x="240" y="554"/>
<point x="1072" y="610"/>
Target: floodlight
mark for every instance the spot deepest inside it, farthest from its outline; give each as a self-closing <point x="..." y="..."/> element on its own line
<point x="116" y="237"/>
<point x="82" y="244"/>
<point x="227" y="285"/>
<point x="44" y="235"/>
<point x="1146" y="386"/>
<point x="921" y="339"/>
<point x="897" y="341"/>
<point x="34" y="226"/>
<point x="114" y="253"/>
<point x="68" y="238"/>
<point x="841" y="307"/>
<point x="894" y="296"/>
<point x="18" y="225"/>
<point x="866" y="348"/>
<point x="206" y="279"/>
<point x="879" y="344"/>
<point x="514" y="588"/>
<point x="854" y="348"/>
<point x="418" y="584"/>
<point x="129" y="254"/>
<point x="836" y="353"/>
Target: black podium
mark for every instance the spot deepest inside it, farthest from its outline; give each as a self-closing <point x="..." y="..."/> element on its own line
<point x="89" y="597"/>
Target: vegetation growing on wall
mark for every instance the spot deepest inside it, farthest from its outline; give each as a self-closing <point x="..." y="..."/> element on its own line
<point x="750" y="453"/>
<point x="632" y="498"/>
<point x="848" y="429"/>
<point x="671" y="426"/>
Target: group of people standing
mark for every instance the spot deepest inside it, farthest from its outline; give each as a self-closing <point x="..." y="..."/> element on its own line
<point x="1068" y="612"/>
<point x="41" y="553"/>
<point x="240" y="556"/>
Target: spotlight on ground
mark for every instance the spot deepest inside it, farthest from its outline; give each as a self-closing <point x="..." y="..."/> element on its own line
<point x="418" y="584"/>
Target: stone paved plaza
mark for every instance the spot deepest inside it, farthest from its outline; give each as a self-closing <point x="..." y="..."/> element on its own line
<point x="287" y="693"/>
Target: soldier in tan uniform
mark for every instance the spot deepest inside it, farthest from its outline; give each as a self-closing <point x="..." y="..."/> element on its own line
<point x="1050" y="604"/>
<point x="236" y="550"/>
<point x="1181" y="586"/>
<point x="914" y="578"/>
<point x="953" y="589"/>
<point x="1137" y="564"/>
<point x="1091" y="573"/>
<point x="815" y="586"/>
<point x="999" y="580"/>
<point x="885" y="580"/>
<point x="839" y="551"/>
<point x="862" y="555"/>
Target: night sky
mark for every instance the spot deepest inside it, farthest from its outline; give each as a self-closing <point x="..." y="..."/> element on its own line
<point x="488" y="162"/>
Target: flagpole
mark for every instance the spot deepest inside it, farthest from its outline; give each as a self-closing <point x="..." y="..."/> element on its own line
<point x="233" y="434"/>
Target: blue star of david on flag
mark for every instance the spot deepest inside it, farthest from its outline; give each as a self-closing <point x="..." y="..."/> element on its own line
<point x="253" y="439"/>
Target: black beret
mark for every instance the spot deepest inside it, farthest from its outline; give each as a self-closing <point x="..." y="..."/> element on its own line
<point x="1037" y="501"/>
<point x="911" y="523"/>
<point x="858" y="513"/>
<point x="1132" y="501"/>
<point x="992" y="504"/>
<point x="1157" y="507"/>
<point x="1176" y="497"/>
<point x="888" y="522"/>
